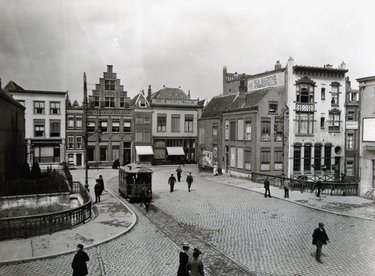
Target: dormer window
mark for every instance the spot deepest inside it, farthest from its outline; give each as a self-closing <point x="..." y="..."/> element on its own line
<point x="142" y="103"/>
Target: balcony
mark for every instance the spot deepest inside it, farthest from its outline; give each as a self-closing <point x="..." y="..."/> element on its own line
<point x="305" y="107"/>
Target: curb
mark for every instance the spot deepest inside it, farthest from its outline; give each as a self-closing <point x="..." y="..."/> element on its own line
<point x="88" y="246"/>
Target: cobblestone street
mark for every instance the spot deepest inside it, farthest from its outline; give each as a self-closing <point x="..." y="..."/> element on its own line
<point x="239" y="231"/>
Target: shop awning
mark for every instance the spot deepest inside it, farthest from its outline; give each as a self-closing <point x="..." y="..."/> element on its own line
<point x="144" y="150"/>
<point x="175" y="151"/>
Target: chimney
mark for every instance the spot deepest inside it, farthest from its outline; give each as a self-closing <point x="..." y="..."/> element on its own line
<point x="110" y="68"/>
<point x="242" y="88"/>
<point x="143" y="92"/>
<point x="149" y="92"/>
<point x="163" y="85"/>
<point x="342" y="65"/>
<point x="189" y="93"/>
<point x="277" y="65"/>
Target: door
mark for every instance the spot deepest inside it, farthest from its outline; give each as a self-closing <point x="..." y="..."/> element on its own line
<point x="373" y="173"/>
<point x="79" y="160"/>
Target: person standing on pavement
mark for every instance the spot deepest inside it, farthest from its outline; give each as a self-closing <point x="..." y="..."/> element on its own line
<point x="101" y="183"/>
<point x="320" y="237"/>
<point x="184" y="259"/>
<point x="319" y="187"/>
<point x="171" y="182"/>
<point x="179" y="171"/>
<point x="189" y="180"/>
<point x="195" y="266"/>
<point x="97" y="190"/>
<point x="286" y="187"/>
<point x="147" y="198"/>
<point x="267" y="188"/>
<point x="79" y="262"/>
<point x="215" y="171"/>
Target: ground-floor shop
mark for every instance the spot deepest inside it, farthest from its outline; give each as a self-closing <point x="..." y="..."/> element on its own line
<point x="174" y="150"/>
<point x="107" y="152"/>
<point x="48" y="152"/>
<point x="367" y="169"/>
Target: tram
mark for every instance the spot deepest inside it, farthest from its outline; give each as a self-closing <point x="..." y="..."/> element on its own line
<point x="134" y="180"/>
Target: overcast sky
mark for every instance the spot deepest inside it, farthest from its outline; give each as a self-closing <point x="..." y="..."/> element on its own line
<point x="48" y="44"/>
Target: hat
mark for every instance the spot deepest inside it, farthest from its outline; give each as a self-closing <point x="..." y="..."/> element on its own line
<point x="185" y="245"/>
<point x="321" y="224"/>
<point x="80" y="246"/>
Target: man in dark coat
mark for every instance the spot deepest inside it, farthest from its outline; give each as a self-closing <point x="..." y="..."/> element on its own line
<point x="320" y="237"/>
<point x="184" y="259"/>
<point x="171" y="182"/>
<point x="267" y="188"/>
<point x="79" y="262"/>
<point x="97" y="190"/>
<point x="319" y="187"/>
<point x="179" y="171"/>
<point x="189" y="180"/>
<point x="101" y="183"/>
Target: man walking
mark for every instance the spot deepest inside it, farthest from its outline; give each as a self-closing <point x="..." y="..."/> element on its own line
<point x="97" y="190"/>
<point x="171" y="182"/>
<point x="320" y="237"/>
<point x="179" y="171"/>
<point x="267" y="188"/>
<point x="286" y="187"/>
<point x="319" y="187"/>
<point x="79" y="262"/>
<point x="189" y="180"/>
<point x="101" y="183"/>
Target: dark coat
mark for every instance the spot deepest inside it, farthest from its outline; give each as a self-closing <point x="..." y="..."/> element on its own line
<point x="101" y="181"/>
<point x="320" y="235"/>
<point x="98" y="188"/>
<point x="79" y="263"/>
<point x="172" y="180"/>
<point x="179" y="171"/>
<point x="182" y="270"/>
<point x="266" y="184"/>
<point x="189" y="179"/>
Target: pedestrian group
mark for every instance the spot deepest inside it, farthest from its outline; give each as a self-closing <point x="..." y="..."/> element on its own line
<point x="172" y="180"/>
<point x="99" y="188"/>
<point x="190" y="266"/>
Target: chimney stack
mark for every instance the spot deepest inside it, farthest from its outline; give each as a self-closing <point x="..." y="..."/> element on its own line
<point x="110" y="68"/>
<point x="149" y="92"/>
<point x="277" y="65"/>
<point x="189" y="93"/>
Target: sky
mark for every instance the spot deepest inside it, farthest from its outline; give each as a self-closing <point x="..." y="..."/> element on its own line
<point x="49" y="44"/>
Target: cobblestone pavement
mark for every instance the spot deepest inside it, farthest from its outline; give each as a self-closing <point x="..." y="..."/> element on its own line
<point x="240" y="233"/>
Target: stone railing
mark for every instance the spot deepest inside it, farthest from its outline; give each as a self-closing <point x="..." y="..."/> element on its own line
<point x="28" y="226"/>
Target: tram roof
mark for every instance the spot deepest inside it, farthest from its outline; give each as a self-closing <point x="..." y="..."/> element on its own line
<point x="136" y="168"/>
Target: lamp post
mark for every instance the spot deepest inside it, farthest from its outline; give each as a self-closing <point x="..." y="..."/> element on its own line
<point x="85" y="136"/>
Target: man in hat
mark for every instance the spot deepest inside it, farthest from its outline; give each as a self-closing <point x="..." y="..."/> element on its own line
<point x="101" y="183"/>
<point x="267" y="188"/>
<point x="171" y="182"/>
<point x="79" y="262"/>
<point x="184" y="259"/>
<point x="97" y="190"/>
<point x="320" y="237"/>
<point x="179" y="171"/>
<point x="189" y="180"/>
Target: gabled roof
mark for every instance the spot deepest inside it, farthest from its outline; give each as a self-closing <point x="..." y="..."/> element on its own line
<point x="170" y="94"/>
<point x="136" y="99"/>
<point x="217" y="105"/>
<point x="12" y="86"/>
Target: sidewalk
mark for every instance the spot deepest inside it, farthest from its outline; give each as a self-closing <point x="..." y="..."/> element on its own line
<point x="352" y="206"/>
<point x="111" y="218"/>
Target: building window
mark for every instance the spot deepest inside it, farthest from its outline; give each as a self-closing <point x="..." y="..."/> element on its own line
<point x="109" y="102"/>
<point x="305" y="93"/>
<point x="161" y="123"/>
<point x="350" y="116"/>
<point x="240" y="158"/>
<point x="278" y="128"/>
<point x="353" y="97"/>
<point x="127" y="104"/>
<point x="307" y="158"/>
<point x="115" y="152"/>
<point x="54" y="108"/>
<point x="327" y="157"/>
<point x="146" y="137"/>
<point x="266" y="130"/>
<point x="317" y="157"/>
<point x="335" y="95"/>
<point x="104" y="126"/>
<point x="350" y="141"/>
<point x="78" y="142"/>
<point x="232" y="129"/>
<point x="90" y="153"/>
<point x="38" y="107"/>
<point x="138" y="136"/>
<point x="350" y="168"/>
<point x="54" y="129"/>
<point x="322" y="122"/>
<point x="248" y="131"/>
<point x="78" y="122"/>
<point x="175" y="123"/>
<point x="304" y="122"/>
<point x="39" y="129"/>
<point x="265" y="159"/>
<point x="323" y="93"/>
<point x="70" y="142"/>
<point x="233" y="157"/>
<point x="115" y="125"/>
<point x="96" y="102"/>
<point x="139" y="120"/>
<point x="226" y="130"/>
<point x="91" y="126"/>
<point x="103" y="153"/>
<point x="142" y="103"/>
<point x="297" y="158"/>
<point x="127" y="126"/>
<point x="272" y="108"/>
<point x="278" y="158"/>
<point x="248" y="160"/>
<point x="334" y="121"/>
<point x="189" y="120"/>
<point x="122" y="102"/>
<point x="214" y="130"/>
<point x="109" y="85"/>
<point x="240" y="129"/>
<point x="147" y="120"/>
<point x="70" y="122"/>
<point x="71" y="158"/>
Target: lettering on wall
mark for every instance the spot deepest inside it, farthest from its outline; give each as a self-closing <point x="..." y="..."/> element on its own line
<point x="272" y="80"/>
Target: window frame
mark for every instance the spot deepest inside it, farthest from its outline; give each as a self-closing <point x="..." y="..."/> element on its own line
<point x="57" y="108"/>
<point x="41" y="107"/>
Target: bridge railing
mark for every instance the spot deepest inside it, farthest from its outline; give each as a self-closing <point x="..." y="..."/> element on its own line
<point x="28" y="226"/>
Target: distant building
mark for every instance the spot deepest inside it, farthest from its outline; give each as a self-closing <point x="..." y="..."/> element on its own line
<point x="12" y="133"/>
<point x="367" y="142"/>
<point x="174" y="126"/>
<point x="74" y="134"/>
<point x="45" y="123"/>
<point x="109" y="122"/>
<point x="142" y="150"/>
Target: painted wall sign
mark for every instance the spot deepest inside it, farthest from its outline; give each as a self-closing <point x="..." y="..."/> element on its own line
<point x="351" y="125"/>
<point x="174" y="102"/>
<point x="273" y="80"/>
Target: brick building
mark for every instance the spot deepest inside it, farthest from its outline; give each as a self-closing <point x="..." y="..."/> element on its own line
<point x="74" y="134"/>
